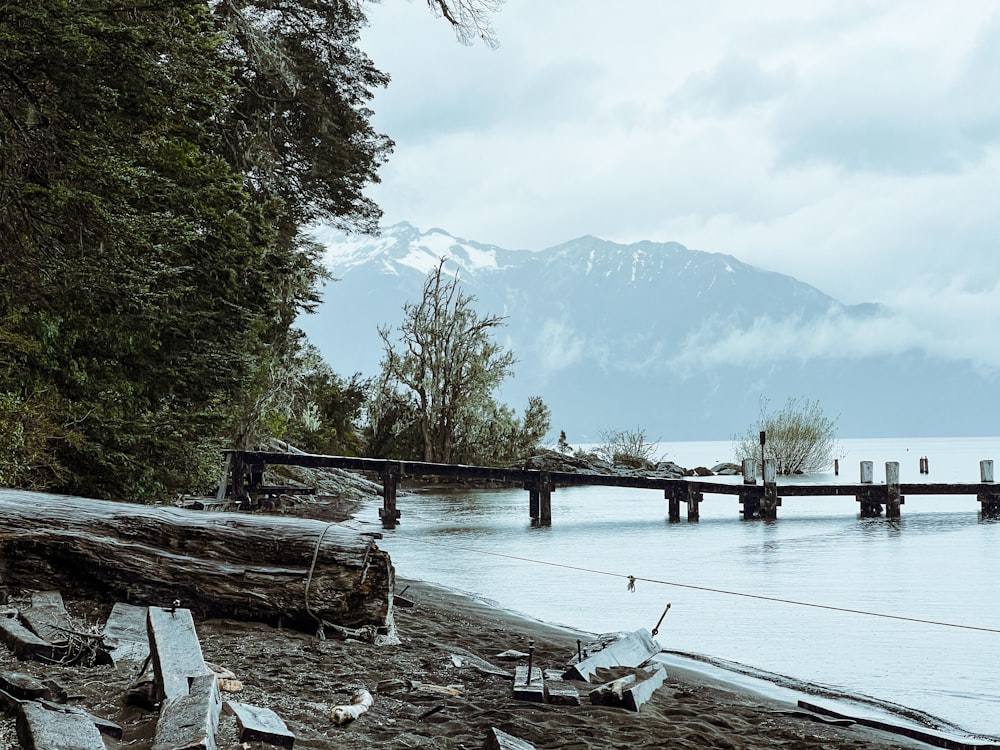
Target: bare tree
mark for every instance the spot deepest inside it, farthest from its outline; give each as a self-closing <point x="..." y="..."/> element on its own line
<point x="469" y="18"/>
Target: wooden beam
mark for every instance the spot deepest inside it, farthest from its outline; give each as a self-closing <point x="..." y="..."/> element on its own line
<point x="125" y="633"/>
<point x="39" y="728"/>
<point x="258" y="724"/>
<point x="497" y="740"/>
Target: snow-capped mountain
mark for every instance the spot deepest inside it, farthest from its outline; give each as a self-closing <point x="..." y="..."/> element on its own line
<point x="680" y="342"/>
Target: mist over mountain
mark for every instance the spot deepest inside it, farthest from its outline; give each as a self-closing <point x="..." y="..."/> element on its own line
<point x="680" y="342"/>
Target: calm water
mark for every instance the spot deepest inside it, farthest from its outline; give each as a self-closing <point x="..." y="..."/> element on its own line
<point x="939" y="562"/>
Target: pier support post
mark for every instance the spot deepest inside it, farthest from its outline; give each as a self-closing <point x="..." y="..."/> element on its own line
<point x="892" y="497"/>
<point x="871" y="505"/>
<point x="694" y="498"/>
<point x="750" y="500"/>
<point x="540" y="499"/>
<point x="770" y="502"/>
<point x="389" y="475"/>
<point x="673" y="498"/>
<point x="989" y="502"/>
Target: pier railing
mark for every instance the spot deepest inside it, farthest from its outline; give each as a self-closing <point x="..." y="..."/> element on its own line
<point x="245" y="473"/>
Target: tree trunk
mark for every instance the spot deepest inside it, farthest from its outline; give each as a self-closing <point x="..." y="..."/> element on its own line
<point x="272" y="568"/>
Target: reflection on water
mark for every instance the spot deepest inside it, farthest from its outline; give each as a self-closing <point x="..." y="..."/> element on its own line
<point x="938" y="563"/>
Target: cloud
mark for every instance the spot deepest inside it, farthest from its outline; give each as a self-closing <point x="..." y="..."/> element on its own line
<point x="908" y="325"/>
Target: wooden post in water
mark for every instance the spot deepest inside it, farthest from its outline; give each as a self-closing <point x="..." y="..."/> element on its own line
<point x="749" y="500"/>
<point x="540" y="499"/>
<point x="989" y="502"/>
<point x="892" y="498"/>
<point x="389" y="475"/>
<point x="769" y="504"/>
<point x="694" y="498"/>
<point x="871" y="507"/>
<point x="673" y="497"/>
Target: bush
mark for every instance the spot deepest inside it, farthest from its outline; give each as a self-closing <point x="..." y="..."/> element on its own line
<point x="627" y="448"/>
<point x="799" y="437"/>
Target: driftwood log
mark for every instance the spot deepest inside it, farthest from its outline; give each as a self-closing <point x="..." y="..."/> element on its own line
<point x="300" y="572"/>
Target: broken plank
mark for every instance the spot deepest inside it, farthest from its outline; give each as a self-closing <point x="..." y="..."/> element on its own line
<point x="39" y="728"/>
<point x="528" y="690"/>
<point x="24" y="644"/>
<point x="612" y="693"/>
<point x="497" y="740"/>
<point x="631" y="650"/>
<point x="640" y="693"/>
<point x="561" y="693"/>
<point x="258" y="724"/>
<point x="125" y="633"/>
<point x="175" y="650"/>
<point x="48" y="618"/>
<point x="190" y="721"/>
<point x="22" y="686"/>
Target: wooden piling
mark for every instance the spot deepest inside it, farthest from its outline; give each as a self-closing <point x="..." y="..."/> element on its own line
<point x="770" y="502"/>
<point x="673" y="504"/>
<point x="694" y="499"/>
<point x="390" y="476"/>
<point x="989" y="502"/>
<point x="871" y="506"/>
<point x="749" y="500"/>
<point x="540" y="498"/>
<point x="893" y="498"/>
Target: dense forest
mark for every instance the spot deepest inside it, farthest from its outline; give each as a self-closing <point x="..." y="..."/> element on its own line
<point x="160" y="166"/>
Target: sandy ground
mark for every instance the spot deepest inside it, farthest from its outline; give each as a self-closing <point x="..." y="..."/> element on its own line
<point x="301" y="677"/>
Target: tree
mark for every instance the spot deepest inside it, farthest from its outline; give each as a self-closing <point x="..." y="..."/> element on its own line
<point x="800" y="438"/>
<point x="627" y="448"/>
<point x="445" y="367"/>
<point x="469" y="18"/>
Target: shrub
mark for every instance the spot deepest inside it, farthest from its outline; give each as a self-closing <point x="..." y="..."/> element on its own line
<point x="628" y="448"/>
<point x="799" y="437"/>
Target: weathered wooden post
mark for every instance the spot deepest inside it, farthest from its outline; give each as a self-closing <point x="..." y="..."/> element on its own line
<point x="836" y="467"/>
<point x="673" y="497"/>
<point x="892" y="497"/>
<point x="238" y="471"/>
<point x="870" y="505"/>
<point x="770" y="502"/>
<point x="989" y="502"/>
<point x="390" y="475"/>
<point x="540" y="498"/>
<point x="749" y="500"/>
<point x="694" y="498"/>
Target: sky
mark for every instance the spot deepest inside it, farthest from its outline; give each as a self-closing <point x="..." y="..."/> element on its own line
<point x="852" y="144"/>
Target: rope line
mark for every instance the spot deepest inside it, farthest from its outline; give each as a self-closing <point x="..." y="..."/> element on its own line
<point x="709" y="589"/>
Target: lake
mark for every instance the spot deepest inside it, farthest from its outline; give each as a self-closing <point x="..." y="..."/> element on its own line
<point x="905" y="610"/>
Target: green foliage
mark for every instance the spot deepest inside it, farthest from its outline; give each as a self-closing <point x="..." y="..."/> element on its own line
<point x="438" y="381"/>
<point x="157" y="167"/>
<point x="800" y="438"/>
<point x="630" y="448"/>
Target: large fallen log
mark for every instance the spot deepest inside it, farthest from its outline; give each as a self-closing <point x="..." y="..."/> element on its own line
<point x="298" y="571"/>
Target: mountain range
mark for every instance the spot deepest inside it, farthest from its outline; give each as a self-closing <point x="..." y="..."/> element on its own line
<point x="681" y="343"/>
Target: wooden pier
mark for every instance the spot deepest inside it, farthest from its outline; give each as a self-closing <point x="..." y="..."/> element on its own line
<point x="245" y="473"/>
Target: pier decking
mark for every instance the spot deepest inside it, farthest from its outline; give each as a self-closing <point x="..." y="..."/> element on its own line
<point x="245" y="472"/>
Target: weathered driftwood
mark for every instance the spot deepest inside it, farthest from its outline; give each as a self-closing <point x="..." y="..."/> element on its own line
<point x="631" y="650"/>
<point x="528" y="686"/>
<point x="497" y="740"/>
<point x="125" y="634"/>
<point x="189" y="721"/>
<point x="48" y="618"/>
<point x="270" y="568"/>
<point x="23" y="643"/>
<point x="361" y="701"/>
<point x="257" y="724"/>
<point x="41" y="728"/>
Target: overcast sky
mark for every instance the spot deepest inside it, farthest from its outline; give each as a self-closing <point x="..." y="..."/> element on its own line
<point x="853" y="144"/>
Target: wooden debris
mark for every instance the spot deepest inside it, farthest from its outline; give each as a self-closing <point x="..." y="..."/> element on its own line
<point x="39" y="728"/>
<point x="480" y="665"/>
<point x="220" y="564"/>
<point x="611" y="693"/>
<point x="558" y="692"/>
<point x="125" y="633"/>
<point x="258" y="724"/>
<point x="361" y="701"/>
<point x="642" y="691"/>
<point x="190" y="721"/>
<point x="529" y="690"/>
<point x="24" y="644"/>
<point x="630" y="691"/>
<point x="511" y="655"/>
<point x="175" y="650"/>
<point x="497" y="740"/>
<point x="22" y="686"/>
<point x="631" y="650"/>
<point x="48" y="618"/>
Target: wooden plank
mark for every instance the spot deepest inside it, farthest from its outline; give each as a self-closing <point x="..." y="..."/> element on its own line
<point x="48" y="618"/>
<point x="125" y="633"/>
<point x="22" y="686"/>
<point x="39" y="728"/>
<point x="257" y="724"/>
<point x="190" y="721"/>
<point x="642" y="691"/>
<point x="24" y="644"/>
<point x="611" y="693"/>
<point x="176" y="651"/>
<point x="558" y="692"/>
<point x="632" y="650"/>
<point x="524" y="690"/>
<point x="497" y="740"/>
